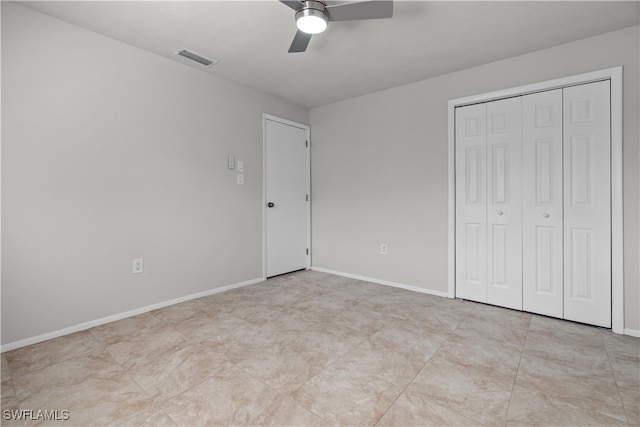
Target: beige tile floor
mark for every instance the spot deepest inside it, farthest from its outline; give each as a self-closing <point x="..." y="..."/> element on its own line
<point x="312" y="349"/>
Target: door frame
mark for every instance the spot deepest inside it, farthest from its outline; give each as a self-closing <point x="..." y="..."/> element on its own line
<point x="307" y="129"/>
<point x="614" y="75"/>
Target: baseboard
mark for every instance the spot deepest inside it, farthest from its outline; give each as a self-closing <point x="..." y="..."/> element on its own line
<point x="87" y="325"/>
<point x="382" y="282"/>
<point x="632" y="332"/>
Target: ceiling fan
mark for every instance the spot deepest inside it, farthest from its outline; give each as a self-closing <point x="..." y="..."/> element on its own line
<point x="313" y="16"/>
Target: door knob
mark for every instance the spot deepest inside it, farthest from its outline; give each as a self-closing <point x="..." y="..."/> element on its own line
<point x="270" y="204"/>
<point x="500" y="212"/>
<point x="546" y="215"/>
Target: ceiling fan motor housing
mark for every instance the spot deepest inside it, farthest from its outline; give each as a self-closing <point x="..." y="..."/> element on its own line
<point x="313" y="8"/>
<point x="313" y="5"/>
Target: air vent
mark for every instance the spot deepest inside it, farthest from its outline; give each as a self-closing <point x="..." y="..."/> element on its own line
<point x="202" y="60"/>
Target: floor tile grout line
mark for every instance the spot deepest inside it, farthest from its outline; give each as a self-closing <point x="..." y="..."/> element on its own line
<point x="574" y="406"/>
<point x="407" y="385"/>
<point x="560" y="398"/>
<point x="449" y="336"/>
<point x="615" y="380"/>
<point x="288" y="395"/>
<point x="285" y="395"/>
<point x="64" y="359"/>
<point x="129" y="370"/>
<point x="335" y="360"/>
<point x="13" y="389"/>
<point x="577" y="369"/>
<point x="515" y="378"/>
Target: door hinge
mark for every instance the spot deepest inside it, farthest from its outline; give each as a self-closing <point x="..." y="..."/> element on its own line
<point x="307" y="251"/>
<point x="307" y="198"/>
<point x="306" y="144"/>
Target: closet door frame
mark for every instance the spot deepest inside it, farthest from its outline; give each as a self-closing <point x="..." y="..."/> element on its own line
<point x="614" y="75"/>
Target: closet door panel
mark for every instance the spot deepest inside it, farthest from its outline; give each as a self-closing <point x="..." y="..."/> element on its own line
<point x="542" y="203"/>
<point x="471" y="205"/>
<point x="504" y="211"/>
<point x="587" y="198"/>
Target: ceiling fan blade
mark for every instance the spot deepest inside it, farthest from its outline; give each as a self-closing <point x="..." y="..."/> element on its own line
<point x="293" y="4"/>
<point x="300" y="42"/>
<point x="375" y="9"/>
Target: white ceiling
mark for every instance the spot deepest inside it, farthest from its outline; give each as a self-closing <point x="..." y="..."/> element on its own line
<point x="424" y="39"/>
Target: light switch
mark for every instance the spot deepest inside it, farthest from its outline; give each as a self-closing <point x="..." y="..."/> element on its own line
<point x="232" y="161"/>
<point x="240" y="179"/>
<point x="240" y="165"/>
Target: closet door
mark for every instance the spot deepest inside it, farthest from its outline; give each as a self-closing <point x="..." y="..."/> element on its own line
<point x="542" y="201"/>
<point x="587" y="204"/>
<point x="471" y="206"/>
<point x="504" y="204"/>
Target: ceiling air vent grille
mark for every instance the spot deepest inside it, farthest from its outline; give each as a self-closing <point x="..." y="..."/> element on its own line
<point x="202" y="60"/>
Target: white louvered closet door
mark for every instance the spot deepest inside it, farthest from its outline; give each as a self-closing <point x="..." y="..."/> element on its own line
<point x="542" y="231"/>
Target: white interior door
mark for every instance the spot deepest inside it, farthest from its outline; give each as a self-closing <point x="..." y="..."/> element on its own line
<point x="542" y="230"/>
<point x="504" y="204"/>
<point x="286" y="194"/>
<point x="471" y="205"/>
<point x="587" y="204"/>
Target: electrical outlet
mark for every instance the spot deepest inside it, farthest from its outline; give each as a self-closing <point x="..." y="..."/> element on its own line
<point x="383" y="249"/>
<point x="138" y="265"/>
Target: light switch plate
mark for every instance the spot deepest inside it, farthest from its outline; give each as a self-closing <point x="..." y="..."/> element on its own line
<point x="231" y="161"/>
<point x="240" y="165"/>
<point x="240" y="179"/>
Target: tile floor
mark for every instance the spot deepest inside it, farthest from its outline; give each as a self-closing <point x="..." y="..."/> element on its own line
<point x="312" y="349"/>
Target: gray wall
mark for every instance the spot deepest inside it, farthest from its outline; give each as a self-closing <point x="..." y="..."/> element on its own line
<point x="111" y="153"/>
<point x="379" y="166"/>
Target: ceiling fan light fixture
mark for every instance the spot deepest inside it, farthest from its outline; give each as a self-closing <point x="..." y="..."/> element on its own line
<point x="311" y="20"/>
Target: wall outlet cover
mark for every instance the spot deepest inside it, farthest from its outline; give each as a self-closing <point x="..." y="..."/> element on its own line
<point x="138" y="265"/>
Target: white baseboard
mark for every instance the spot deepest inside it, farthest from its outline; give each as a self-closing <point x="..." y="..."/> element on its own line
<point x="632" y="332"/>
<point x="382" y="282"/>
<point x="120" y="316"/>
